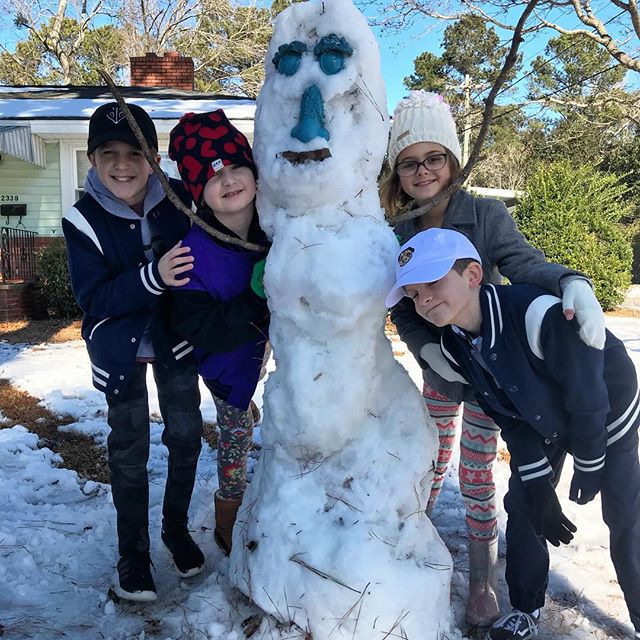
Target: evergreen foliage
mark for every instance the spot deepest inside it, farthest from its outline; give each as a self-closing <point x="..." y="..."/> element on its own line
<point x="53" y="270"/>
<point x="573" y="214"/>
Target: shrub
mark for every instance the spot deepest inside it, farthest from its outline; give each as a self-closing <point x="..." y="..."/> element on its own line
<point x="573" y="214"/>
<point x="53" y="270"/>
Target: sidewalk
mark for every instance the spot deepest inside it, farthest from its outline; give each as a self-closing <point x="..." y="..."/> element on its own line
<point x="632" y="299"/>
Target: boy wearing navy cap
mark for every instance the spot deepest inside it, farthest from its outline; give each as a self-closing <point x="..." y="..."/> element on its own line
<point x="124" y="249"/>
<point x="550" y="394"/>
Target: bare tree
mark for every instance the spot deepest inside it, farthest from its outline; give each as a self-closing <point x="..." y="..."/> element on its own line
<point x="154" y="25"/>
<point x="58" y="28"/>
<point x="228" y="45"/>
<point x="619" y="33"/>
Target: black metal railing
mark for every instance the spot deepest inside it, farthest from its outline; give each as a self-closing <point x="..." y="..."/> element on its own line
<point x="17" y="254"/>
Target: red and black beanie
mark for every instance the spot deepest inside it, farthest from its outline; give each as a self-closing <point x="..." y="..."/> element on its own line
<point x="202" y="144"/>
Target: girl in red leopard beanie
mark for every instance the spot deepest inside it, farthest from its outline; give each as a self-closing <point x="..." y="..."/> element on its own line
<point x="223" y="310"/>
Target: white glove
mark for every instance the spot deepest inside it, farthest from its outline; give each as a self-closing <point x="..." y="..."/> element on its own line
<point x="432" y="355"/>
<point x="578" y="298"/>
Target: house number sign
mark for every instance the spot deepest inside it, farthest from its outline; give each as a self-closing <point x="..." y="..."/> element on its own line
<point x="8" y="197"/>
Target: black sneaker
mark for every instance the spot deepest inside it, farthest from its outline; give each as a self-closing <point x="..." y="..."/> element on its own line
<point x="186" y="554"/>
<point x="133" y="579"/>
<point x="516" y="625"/>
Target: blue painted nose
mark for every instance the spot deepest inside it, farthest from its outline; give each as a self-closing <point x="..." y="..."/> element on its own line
<point x="311" y="121"/>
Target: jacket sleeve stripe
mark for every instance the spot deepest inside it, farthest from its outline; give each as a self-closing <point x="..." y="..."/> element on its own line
<point x="535" y="469"/>
<point x="533" y="321"/>
<point x="588" y="466"/>
<point x="102" y="372"/>
<point x="588" y="462"/>
<point x="630" y="422"/>
<point x="628" y="410"/>
<point x="150" y="283"/>
<point x="82" y="224"/>
<point x="534" y="465"/>
<point x="179" y="346"/>
<point x="152" y="276"/>
<point x="182" y="354"/>
<point x="97" y="380"/>
<point x="547" y="471"/>
<point x="579" y="467"/>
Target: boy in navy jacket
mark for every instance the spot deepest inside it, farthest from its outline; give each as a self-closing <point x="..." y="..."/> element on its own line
<point x="550" y="394"/>
<point x="124" y="249"/>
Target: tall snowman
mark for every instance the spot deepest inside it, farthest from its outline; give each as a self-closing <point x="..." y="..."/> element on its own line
<point x="331" y="535"/>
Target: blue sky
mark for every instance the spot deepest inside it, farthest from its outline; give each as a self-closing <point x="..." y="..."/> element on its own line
<point x="398" y="51"/>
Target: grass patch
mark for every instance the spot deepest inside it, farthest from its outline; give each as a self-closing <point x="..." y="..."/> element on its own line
<point x="39" y="331"/>
<point x="79" y="453"/>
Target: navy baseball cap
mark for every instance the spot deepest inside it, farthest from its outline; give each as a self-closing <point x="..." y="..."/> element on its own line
<point x="108" y="123"/>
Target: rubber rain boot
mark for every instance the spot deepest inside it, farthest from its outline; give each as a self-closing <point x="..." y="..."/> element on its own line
<point x="482" y="608"/>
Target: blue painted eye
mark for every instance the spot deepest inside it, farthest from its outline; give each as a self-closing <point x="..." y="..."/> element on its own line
<point x="287" y="58"/>
<point x="331" y="62"/>
<point x="331" y="52"/>
<point x="288" y="63"/>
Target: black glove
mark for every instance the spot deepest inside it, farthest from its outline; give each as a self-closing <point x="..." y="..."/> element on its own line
<point x="585" y="486"/>
<point x="546" y="514"/>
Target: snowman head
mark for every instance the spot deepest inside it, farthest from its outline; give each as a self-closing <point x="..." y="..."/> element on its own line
<point x="321" y="121"/>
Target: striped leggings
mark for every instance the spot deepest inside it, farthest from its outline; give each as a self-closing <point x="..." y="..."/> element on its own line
<point x="478" y="448"/>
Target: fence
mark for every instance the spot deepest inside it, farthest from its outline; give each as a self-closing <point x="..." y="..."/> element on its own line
<point x="17" y="255"/>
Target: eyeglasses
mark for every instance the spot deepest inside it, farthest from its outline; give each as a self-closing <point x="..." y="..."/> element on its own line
<point x="433" y="162"/>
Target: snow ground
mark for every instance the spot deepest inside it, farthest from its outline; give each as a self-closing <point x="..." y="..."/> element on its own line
<point x="58" y="547"/>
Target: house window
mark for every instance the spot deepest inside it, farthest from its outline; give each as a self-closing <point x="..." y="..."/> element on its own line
<point x="82" y="166"/>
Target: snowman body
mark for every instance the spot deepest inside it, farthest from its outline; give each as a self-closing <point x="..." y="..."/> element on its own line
<point x="332" y="534"/>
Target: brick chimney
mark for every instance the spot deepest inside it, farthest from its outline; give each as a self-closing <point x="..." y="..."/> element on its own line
<point x="170" y="70"/>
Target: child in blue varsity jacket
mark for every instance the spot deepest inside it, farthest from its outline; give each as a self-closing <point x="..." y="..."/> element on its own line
<point x="550" y="394"/>
<point x="223" y="310"/>
<point x="124" y="249"/>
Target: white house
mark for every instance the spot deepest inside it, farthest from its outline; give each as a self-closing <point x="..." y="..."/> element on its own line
<point x="43" y="160"/>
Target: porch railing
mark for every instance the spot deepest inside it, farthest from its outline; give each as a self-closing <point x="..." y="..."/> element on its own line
<point x="17" y="255"/>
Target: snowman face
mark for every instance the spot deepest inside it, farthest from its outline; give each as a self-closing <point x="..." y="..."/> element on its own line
<point x="321" y="123"/>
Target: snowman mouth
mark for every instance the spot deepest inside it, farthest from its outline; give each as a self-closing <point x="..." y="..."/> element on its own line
<point x="300" y="157"/>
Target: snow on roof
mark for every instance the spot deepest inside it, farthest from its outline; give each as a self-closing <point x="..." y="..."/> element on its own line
<point x="78" y="103"/>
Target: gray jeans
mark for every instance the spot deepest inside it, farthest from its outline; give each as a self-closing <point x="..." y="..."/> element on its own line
<point x="128" y="448"/>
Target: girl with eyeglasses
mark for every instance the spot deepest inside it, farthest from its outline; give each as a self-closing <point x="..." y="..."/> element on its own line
<point x="424" y="157"/>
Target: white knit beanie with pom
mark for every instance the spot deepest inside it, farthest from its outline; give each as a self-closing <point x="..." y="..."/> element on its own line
<point x="423" y="116"/>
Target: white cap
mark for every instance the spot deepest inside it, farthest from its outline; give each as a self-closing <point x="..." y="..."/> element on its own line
<point x="427" y="257"/>
<point x="423" y="116"/>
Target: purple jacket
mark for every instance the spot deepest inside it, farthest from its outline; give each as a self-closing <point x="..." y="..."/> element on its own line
<point x="221" y="316"/>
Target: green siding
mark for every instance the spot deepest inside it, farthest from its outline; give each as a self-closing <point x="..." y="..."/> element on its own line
<point x="36" y="187"/>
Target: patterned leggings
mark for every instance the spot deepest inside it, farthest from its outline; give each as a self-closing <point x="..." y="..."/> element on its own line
<point x="478" y="448"/>
<point x="235" y="434"/>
